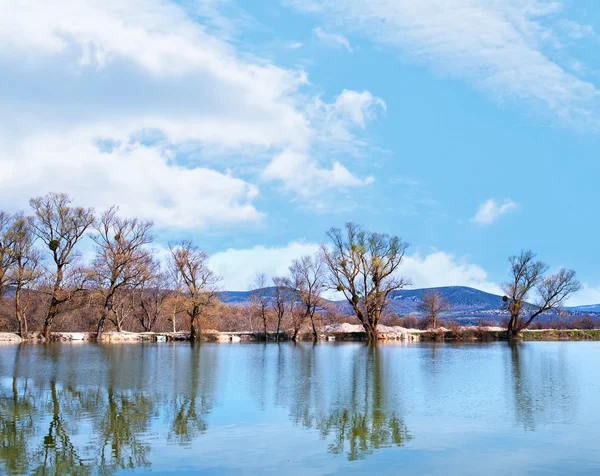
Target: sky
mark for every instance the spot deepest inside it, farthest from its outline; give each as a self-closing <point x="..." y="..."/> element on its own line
<point x="470" y="128"/>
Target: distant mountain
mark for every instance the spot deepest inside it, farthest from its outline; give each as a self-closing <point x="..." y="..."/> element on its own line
<point x="468" y="304"/>
<point x="461" y="298"/>
<point x="588" y="308"/>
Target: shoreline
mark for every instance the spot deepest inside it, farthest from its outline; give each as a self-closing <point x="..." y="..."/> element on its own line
<point x="403" y="335"/>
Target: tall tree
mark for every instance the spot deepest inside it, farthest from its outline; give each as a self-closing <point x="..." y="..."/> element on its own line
<point x="260" y="300"/>
<point x="26" y="270"/>
<point x="308" y="279"/>
<point x="197" y="283"/>
<point x="529" y="280"/>
<point x="60" y="226"/>
<point x="283" y="301"/>
<point x="122" y="261"/>
<point x="6" y="250"/>
<point x="363" y="268"/>
<point x="432" y="304"/>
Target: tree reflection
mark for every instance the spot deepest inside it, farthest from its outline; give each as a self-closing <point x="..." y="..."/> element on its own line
<point x="362" y="416"/>
<point x="41" y="418"/>
<point x="541" y="387"/>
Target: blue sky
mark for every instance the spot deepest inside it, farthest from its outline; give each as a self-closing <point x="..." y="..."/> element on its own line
<point x="468" y="127"/>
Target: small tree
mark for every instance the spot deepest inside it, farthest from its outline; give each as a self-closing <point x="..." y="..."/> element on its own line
<point x="259" y="299"/>
<point x="154" y="299"/>
<point x="7" y="257"/>
<point x="308" y="278"/>
<point x="528" y="279"/>
<point x="363" y="268"/>
<point x="279" y="301"/>
<point x="122" y="260"/>
<point x="432" y="304"/>
<point x="60" y="227"/>
<point x="197" y="284"/>
<point x="25" y="271"/>
<point x="123" y="305"/>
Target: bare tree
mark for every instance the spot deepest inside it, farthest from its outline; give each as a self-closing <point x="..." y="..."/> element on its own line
<point x="259" y="299"/>
<point x="122" y="260"/>
<point x="26" y="270"/>
<point x="284" y="300"/>
<point x="432" y="304"/>
<point x="528" y="280"/>
<point x="363" y="268"/>
<point x="6" y="250"/>
<point x="60" y="227"/>
<point x="308" y="279"/>
<point x="196" y="282"/>
<point x="154" y="299"/>
<point x="122" y="307"/>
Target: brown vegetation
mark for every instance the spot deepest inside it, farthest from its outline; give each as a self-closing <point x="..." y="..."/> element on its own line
<point x="44" y="284"/>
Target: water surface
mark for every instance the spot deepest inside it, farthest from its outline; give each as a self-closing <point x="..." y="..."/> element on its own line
<point x="434" y="409"/>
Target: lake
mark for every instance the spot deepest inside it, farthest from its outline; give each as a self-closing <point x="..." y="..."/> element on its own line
<point x="438" y="408"/>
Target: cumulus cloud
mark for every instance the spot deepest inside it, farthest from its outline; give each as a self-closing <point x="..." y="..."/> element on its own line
<point x="588" y="295"/>
<point x="333" y="39"/>
<point x="240" y="267"/>
<point x="504" y="47"/>
<point x="490" y="210"/>
<point x="177" y="110"/>
<point x="445" y="269"/>
<point x="139" y="178"/>
<point x="302" y="175"/>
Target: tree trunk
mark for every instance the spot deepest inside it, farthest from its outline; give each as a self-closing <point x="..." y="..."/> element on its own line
<point x="20" y="315"/>
<point x="52" y="311"/>
<point x="314" y="328"/>
<point x="371" y="331"/>
<point x="512" y="331"/>
<point x="193" y="330"/>
<point x="278" y="328"/>
<point x="265" y="328"/>
<point x="101" y="323"/>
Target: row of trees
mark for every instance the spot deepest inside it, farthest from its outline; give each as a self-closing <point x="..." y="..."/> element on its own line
<point x="39" y="253"/>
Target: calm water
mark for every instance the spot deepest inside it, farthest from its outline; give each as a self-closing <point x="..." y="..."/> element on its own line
<point x="251" y="408"/>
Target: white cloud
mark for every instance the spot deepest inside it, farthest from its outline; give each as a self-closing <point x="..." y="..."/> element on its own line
<point x="333" y="39"/>
<point x="588" y="295"/>
<point x="78" y="72"/>
<point x="302" y="175"/>
<point x="489" y="211"/>
<point x="240" y="267"/>
<point x="140" y="179"/>
<point x="445" y="269"/>
<point x="499" y="46"/>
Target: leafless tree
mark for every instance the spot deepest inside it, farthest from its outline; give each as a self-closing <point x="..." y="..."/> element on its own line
<point x="123" y="305"/>
<point x="6" y="250"/>
<point x="259" y="299"/>
<point x="308" y="279"/>
<point x="197" y="283"/>
<point x="529" y="280"/>
<point x="60" y="227"/>
<point x="363" y="268"/>
<point x="154" y="299"/>
<point x="26" y="270"/>
<point x="122" y="261"/>
<point x="432" y="304"/>
<point x="283" y="301"/>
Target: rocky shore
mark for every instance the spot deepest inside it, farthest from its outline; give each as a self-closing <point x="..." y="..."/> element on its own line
<point x="331" y="333"/>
